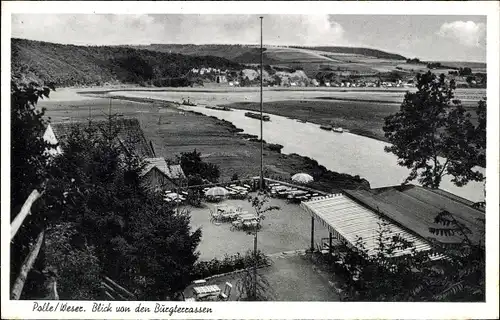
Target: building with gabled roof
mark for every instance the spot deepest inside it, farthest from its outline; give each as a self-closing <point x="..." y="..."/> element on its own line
<point x="157" y="174"/>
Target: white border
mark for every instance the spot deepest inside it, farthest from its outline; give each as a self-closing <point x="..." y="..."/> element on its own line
<point x="279" y="310"/>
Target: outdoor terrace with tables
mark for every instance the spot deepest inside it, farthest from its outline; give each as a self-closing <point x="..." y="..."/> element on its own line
<point x="282" y="230"/>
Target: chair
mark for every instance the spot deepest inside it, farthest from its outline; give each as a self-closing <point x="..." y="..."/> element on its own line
<point x="224" y="295"/>
<point x="236" y="225"/>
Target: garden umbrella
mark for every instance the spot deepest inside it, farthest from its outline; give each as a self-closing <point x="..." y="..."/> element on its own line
<point x="302" y="178"/>
<point x="216" y="192"/>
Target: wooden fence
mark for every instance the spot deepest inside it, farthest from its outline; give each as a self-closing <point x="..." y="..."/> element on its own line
<point x="34" y="251"/>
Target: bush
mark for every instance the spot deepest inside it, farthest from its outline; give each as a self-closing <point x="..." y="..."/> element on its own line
<point x="274" y="147"/>
<point x="204" y="269"/>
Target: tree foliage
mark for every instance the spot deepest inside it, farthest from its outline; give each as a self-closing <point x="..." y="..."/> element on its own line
<point x="138" y="239"/>
<point x="29" y="158"/>
<point x="196" y="169"/>
<point x="260" y="284"/>
<point x="433" y="135"/>
<point x="453" y="272"/>
<point x="29" y="165"/>
<point x="86" y="65"/>
<point x="254" y="286"/>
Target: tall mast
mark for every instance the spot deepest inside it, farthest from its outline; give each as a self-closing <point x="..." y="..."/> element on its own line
<point x="261" y="105"/>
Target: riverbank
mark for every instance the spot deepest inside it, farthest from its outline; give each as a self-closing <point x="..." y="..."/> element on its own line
<point x="173" y="131"/>
<point x="359" y="110"/>
<point x="362" y="118"/>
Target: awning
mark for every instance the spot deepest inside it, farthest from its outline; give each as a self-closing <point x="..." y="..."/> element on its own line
<point x="348" y="220"/>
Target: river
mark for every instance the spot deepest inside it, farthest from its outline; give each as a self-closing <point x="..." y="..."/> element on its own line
<point x="340" y="152"/>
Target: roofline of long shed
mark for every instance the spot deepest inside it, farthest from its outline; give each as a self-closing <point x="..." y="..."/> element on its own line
<point x="383" y="215"/>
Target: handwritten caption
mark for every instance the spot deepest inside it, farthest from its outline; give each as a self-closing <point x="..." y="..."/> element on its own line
<point x="106" y="307"/>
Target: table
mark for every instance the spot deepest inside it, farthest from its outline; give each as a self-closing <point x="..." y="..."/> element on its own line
<point x="205" y="291"/>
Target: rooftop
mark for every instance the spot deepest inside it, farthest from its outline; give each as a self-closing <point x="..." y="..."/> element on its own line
<point x="415" y="208"/>
<point x="130" y="134"/>
<point x="349" y="220"/>
<point x="171" y="171"/>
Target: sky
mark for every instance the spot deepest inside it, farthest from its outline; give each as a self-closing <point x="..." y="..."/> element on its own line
<point x="442" y="38"/>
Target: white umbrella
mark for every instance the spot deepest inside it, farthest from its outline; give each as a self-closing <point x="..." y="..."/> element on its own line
<point x="302" y="178"/>
<point x="216" y="192"/>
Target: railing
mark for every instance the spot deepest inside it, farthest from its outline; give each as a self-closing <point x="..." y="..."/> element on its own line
<point x="29" y="261"/>
<point x="113" y="291"/>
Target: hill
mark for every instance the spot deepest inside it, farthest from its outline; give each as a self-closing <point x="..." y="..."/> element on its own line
<point x="250" y="54"/>
<point x="357" y="51"/>
<point x="71" y="65"/>
<point x="310" y="59"/>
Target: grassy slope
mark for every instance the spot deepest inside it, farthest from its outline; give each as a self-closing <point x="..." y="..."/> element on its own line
<point x="233" y="51"/>
<point x="358" y="51"/>
<point x="173" y="132"/>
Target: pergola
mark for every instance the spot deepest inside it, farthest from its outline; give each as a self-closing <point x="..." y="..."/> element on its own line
<point x="347" y="220"/>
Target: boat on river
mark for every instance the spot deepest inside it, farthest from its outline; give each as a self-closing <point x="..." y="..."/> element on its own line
<point x="220" y="108"/>
<point x="339" y="130"/>
<point x="257" y="116"/>
<point x="300" y="120"/>
<point x="326" y="127"/>
<point x="188" y="103"/>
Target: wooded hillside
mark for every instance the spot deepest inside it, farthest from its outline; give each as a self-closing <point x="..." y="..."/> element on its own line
<point x="69" y="65"/>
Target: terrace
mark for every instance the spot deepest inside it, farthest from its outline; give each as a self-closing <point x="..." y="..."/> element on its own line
<point x="282" y="230"/>
<point x="288" y="234"/>
<point x="284" y="236"/>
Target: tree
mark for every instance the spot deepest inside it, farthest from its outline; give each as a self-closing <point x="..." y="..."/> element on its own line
<point x="78" y="267"/>
<point x="464" y="71"/>
<point x="29" y="164"/>
<point x="196" y="170"/>
<point x="138" y="239"/>
<point x="254" y="286"/>
<point x="433" y="135"/>
<point x="458" y="276"/>
<point x="29" y="158"/>
<point x="258" y="203"/>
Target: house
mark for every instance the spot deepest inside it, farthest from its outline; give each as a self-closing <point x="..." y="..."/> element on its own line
<point x="157" y="175"/>
<point x="220" y="78"/>
<point x="129" y="136"/>
<point x="50" y="137"/>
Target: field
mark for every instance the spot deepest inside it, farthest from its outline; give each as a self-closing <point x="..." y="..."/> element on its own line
<point x="173" y="131"/>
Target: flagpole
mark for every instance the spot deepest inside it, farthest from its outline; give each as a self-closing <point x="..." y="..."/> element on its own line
<point x="261" y="105"/>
